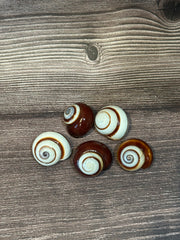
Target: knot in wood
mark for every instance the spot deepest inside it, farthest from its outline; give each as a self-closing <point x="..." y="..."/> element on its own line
<point x="171" y="9"/>
<point x="92" y="52"/>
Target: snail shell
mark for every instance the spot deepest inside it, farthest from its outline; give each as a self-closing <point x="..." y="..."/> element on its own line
<point x="50" y="147"/>
<point x="79" y="119"/>
<point x="112" y="122"/>
<point x="92" y="157"/>
<point x="134" y="154"/>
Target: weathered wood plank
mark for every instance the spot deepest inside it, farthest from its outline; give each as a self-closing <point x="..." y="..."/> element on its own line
<point x="44" y="61"/>
<point x="53" y="53"/>
<point x="57" y="203"/>
<point x="14" y="8"/>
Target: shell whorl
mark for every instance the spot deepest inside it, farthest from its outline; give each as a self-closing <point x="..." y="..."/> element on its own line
<point x="79" y="119"/>
<point x="91" y="158"/>
<point x="90" y="163"/>
<point x="134" y="154"/>
<point x="50" y="147"/>
<point x="132" y="158"/>
<point x="112" y="122"/>
<point x="71" y="114"/>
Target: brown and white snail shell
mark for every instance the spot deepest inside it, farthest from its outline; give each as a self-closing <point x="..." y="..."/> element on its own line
<point x="92" y="157"/>
<point x="112" y="122"/>
<point x="79" y="119"/>
<point x="50" y="147"/>
<point x="134" y="154"/>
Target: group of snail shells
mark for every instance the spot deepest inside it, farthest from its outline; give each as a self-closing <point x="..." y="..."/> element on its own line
<point x="92" y="157"/>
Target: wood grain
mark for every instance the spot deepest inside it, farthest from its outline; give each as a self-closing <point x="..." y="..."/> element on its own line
<point x="53" y="53"/>
<point x="11" y="8"/>
<point x="43" y="57"/>
<point x="56" y="202"/>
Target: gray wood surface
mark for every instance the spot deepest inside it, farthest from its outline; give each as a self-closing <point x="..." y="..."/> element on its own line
<point x="55" y="53"/>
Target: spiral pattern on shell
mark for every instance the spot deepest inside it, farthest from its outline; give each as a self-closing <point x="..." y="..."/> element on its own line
<point x="79" y="119"/>
<point x="132" y="158"/>
<point x="90" y="163"/>
<point x="134" y="154"/>
<point x="71" y="114"/>
<point x="92" y="157"/>
<point x="50" y="147"/>
<point x="112" y="122"/>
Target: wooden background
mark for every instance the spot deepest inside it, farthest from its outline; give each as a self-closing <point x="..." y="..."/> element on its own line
<point x="55" y="53"/>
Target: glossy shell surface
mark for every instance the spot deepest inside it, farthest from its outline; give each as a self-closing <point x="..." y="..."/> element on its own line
<point x="112" y="122"/>
<point x="79" y="119"/>
<point x="92" y="157"/>
<point x="50" y="147"/>
<point x="134" y="154"/>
